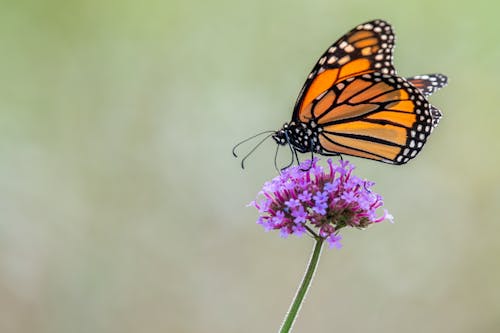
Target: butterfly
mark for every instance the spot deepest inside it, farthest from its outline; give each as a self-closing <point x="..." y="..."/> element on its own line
<point x="354" y="103"/>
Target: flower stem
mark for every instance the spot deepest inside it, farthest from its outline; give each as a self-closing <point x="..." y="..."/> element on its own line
<point x="303" y="288"/>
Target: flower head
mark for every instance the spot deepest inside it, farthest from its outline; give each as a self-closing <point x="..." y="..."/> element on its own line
<point x="308" y="198"/>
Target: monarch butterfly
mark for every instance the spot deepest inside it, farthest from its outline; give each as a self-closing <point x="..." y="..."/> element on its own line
<point x="353" y="102"/>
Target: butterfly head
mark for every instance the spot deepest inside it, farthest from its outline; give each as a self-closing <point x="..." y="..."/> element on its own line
<point x="302" y="137"/>
<point x="282" y="136"/>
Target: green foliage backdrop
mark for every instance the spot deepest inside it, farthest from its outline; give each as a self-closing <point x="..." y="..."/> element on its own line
<point x="122" y="209"/>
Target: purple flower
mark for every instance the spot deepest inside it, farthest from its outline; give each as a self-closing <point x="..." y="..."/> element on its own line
<point x="319" y="201"/>
<point x="331" y="187"/>
<point x="292" y="203"/>
<point x="349" y="197"/>
<point x="300" y="215"/>
<point x="278" y="219"/>
<point x="321" y="197"/>
<point x="334" y="241"/>
<point x="320" y="207"/>
<point x="305" y="196"/>
<point x="299" y="230"/>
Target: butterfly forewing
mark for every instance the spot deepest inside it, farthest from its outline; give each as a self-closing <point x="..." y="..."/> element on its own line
<point x="365" y="49"/>
<point x="376" y="116"/>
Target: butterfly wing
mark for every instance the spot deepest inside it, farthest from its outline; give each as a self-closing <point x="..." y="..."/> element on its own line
<point x="365" y="49"/>
<point x="375" y="116"/>
<point x="429" y="83"/>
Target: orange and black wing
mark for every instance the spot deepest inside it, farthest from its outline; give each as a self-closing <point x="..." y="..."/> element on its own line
<point x="375" y="116"/>
<point x="365" y="49"/>
<point x="429" y="83"/>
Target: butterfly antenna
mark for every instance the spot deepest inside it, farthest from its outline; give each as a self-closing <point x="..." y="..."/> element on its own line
<point x="254" y="148"/>
<point x="248" y="139"/>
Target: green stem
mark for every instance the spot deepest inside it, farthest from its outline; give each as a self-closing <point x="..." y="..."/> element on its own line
<point x="304" y="286"/>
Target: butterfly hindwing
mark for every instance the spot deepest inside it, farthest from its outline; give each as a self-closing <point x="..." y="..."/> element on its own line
<point x="375" y="116"/>
<point x="365" y="49"/>
<point x="429" y="83"/>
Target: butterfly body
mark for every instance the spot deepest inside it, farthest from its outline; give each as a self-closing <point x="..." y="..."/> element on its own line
<point x="354" y="103"/>
<point x="303" y="137"/>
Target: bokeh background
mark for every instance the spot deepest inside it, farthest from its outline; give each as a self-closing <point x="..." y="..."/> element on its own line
<point x="122" y="209"/>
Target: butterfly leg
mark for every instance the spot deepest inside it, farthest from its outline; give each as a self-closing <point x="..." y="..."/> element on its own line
<point x="293" y="158"/>
<point x="366" y="189"/>
<point x="276" y="158"/>
<point x="311" y="148"/>
<point x="296" y="156"/>
<point x="332" y="154"/>
<point x="324" y="153"/>
<point x="298" y="162"/>
<point x="339" y="155"/>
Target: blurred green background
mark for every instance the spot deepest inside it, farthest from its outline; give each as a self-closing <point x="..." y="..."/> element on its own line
<point x="122" y="209"/>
